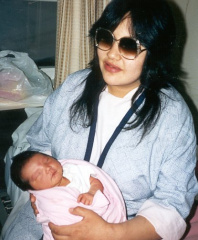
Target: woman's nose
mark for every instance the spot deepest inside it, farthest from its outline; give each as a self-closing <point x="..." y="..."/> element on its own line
<point x="114" y="53"/>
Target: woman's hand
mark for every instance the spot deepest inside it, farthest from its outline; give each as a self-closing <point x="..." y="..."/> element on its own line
<point x="92" y="227"/>
<point x="33" y="200"/>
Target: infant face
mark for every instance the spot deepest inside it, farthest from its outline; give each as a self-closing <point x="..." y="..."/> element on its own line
<point x="42" y="172"/>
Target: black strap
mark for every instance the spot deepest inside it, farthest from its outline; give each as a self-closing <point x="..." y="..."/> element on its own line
<point x="92" y="133"/>
<point x="118" y="129"/>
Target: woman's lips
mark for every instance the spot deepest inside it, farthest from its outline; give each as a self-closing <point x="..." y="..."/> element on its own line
<point x="111" y="67"/>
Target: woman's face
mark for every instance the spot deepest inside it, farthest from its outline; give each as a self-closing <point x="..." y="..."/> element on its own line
<point x="121" y="75"/>
<point x="42" y="172"/>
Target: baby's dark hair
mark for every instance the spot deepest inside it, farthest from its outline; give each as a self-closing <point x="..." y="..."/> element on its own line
<point x="17" y="165"/>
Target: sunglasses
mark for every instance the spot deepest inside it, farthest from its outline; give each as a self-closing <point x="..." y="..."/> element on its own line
<point x="129" y="47"/>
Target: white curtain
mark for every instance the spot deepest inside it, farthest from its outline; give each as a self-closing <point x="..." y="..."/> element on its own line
<point x="74" y="19"/>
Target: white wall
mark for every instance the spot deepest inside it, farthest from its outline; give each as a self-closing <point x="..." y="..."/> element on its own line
<point x="190" y="58"/>
<point x="189" y="10"/>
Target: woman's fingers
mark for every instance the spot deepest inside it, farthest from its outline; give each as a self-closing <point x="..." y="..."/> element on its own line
<point x="33" y="200"/>
<point x="79" y="211"/>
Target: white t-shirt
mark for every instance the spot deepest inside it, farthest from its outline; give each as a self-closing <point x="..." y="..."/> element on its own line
<point x="79" y="176"/>
<point x="111" y="110"/>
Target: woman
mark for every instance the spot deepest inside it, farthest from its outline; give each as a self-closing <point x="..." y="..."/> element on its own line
<point x="124" y="115"/>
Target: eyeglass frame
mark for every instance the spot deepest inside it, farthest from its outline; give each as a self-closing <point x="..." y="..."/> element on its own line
<point x="139" y="50"/>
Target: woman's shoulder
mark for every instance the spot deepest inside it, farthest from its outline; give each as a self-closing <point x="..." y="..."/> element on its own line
<point x="174" y="106"/>
<point x="75" y="79"/>
<point x="72" y="85"/>
<point x="172" y="98"/>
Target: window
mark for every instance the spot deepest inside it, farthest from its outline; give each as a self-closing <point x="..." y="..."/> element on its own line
<point x="29" y="26"/>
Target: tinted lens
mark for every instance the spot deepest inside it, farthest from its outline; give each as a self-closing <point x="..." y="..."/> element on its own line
<point x="128" y="48"/>
<point x="104" y="39"/>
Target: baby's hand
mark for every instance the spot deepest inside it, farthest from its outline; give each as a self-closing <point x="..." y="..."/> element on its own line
<point x="85" y="198"/>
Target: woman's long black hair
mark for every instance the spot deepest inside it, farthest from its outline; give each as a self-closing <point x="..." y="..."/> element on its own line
<point x="153" y="25"/>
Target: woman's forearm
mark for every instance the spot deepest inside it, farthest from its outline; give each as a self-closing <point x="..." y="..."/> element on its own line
<point x="134" y="229"/>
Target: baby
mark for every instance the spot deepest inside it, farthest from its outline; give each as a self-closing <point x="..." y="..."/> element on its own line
<point x="32" y="170"/>
<point x="60" y="185"/>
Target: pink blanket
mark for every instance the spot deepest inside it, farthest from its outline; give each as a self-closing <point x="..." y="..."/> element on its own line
<point x="53" y="204"/>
